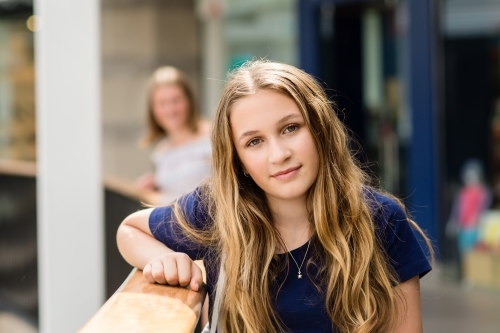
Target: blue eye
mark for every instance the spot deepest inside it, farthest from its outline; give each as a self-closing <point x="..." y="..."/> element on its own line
<point x="291" y="128"/>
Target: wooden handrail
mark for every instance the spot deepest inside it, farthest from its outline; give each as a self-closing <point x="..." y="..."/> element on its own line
<point x="17" y="168"/>
<point x="139" y="306"/>
<point x="120" y="185"/>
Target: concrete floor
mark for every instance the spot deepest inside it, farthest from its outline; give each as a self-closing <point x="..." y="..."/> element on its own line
<point x="450" y="307"/>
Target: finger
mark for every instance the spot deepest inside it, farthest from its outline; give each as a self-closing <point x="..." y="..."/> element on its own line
<point x="147" y="274"/>
<point x="196" y="277"/>
<point x="184" y="270"/>
<point x="170" y="271"/>
<point x="157" y="272"/>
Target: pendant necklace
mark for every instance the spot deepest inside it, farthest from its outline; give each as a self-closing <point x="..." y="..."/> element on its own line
<point x="299" y="276"/>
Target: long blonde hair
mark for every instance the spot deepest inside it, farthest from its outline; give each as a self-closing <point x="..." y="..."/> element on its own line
<point x="355" y="275"/>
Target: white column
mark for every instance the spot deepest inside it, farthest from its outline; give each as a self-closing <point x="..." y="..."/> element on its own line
<point x="70" y="200"/>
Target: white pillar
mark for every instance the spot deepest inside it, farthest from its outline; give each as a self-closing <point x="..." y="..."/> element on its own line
<point x="70" y="200"/>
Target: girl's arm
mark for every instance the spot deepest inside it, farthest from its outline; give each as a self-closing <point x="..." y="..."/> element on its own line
<point x="412" y="317"/>
<point x="160" y="264"/>
<point x="147" y="182"/>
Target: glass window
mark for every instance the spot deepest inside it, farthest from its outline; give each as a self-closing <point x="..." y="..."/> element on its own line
<point x="17" y="95"/>
<point x="362" y="65"/>
<point x="260" y="29"/>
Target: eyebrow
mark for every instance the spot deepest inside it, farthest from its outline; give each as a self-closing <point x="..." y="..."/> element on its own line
<point x="282" y="120"/>
<point x="248" y="133"/>
<point x="287" y="118"/>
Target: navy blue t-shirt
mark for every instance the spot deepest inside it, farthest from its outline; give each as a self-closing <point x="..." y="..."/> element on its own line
<point x="299" y="304"/>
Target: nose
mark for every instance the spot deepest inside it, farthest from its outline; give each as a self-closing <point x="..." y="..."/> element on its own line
<point x="279" y="152"/>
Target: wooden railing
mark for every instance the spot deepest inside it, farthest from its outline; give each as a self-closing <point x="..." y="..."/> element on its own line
<point x="139" y="306"/>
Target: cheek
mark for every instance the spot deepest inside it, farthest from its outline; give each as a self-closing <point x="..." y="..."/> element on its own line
<point x="253" y="162"/>
<point x="182" y="106"/>
<point x="311" y="152"/>
<point x="157" y="113"/>
<point x="159" y="110"/>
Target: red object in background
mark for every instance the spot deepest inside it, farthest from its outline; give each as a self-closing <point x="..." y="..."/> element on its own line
<point x="472" y="200"/>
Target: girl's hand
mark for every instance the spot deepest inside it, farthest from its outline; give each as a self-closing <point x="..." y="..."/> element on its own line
<point x="174" y="268"/>
<point x="147" y="182"/>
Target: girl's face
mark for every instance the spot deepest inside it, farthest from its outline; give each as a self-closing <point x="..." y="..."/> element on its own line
<point x="274" y="144"/>
<point x="170" y="107"/>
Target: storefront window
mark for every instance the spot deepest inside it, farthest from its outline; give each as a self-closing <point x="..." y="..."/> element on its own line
<point x="17" y="96"/>
<point x="361" y="65"/>
<point x="383" y="95"/>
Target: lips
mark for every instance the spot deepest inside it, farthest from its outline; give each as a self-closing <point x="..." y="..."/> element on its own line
<point x="287" y="171"/>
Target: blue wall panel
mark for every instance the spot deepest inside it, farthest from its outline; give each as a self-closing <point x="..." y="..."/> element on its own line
<point x="423" y="171"/>
<point x="309" y="36"/>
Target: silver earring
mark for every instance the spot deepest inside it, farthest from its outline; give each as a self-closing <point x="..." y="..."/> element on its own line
<point x="246" y="174"/>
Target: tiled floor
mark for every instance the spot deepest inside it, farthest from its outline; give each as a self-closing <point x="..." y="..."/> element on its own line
<point x="449" y="307"/>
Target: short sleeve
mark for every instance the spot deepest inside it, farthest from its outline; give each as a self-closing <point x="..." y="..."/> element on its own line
<point x="165" y="227"/>
<point x="402" y="246"/>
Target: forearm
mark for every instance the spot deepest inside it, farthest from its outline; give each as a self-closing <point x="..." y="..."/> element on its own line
<point x="137" y="246"/>
<point x="159" y="263"/>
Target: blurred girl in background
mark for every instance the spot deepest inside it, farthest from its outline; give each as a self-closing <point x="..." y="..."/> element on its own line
<point x="182" y="151"/>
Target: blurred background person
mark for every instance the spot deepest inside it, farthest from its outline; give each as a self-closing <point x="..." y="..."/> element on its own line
<point x="470" y="203"/>
<point x="182" y="150"/>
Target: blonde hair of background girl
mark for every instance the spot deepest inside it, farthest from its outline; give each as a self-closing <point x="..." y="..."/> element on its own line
<point x="169" y="76"/>
<point x="357" y="279"/>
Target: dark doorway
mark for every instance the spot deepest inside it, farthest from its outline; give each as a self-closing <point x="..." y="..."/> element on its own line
<point x="341" y="68"/>
<point x="469" y="103"/>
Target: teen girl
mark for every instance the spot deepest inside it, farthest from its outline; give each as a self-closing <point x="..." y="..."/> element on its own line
<point x="293" y="238"/>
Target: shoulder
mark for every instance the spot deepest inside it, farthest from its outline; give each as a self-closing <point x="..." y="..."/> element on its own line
<point x="391" y="222"/>
<point x="161" y="147"/>
<point x="384" y="208"/>
<point x="204" y="127"/>
<point x="165" y="226"/>
<point x="203" y="143"/>
<point x="398" y="237"/>
<point x="193" y="206"/>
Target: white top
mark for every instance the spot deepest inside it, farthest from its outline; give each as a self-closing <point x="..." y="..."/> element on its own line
<point x="180" y="169"/>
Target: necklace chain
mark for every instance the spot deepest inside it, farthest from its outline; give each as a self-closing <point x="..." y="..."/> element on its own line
<point x="303" y="259"/>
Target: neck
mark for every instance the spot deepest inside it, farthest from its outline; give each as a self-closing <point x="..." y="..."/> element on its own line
<point x="291" y="219"/>
<point x="181" y="135"/>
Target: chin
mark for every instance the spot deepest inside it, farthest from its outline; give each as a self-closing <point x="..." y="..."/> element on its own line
<point x="290" y="195"/>
<point x="173" y="126"/>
